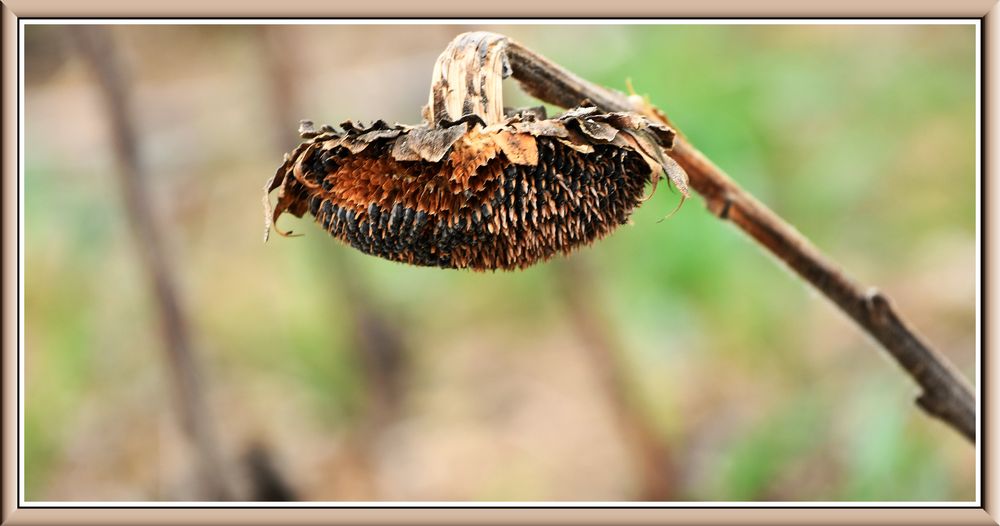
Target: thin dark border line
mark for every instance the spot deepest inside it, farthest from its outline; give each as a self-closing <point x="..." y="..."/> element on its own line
<point x="305" y="505"/>
<point x="983" y="289"/>
<point x="970" y="18"/>
<point x="17" y="199"/>
<point x="982" y="305"/>
<point x="268" y="505"/>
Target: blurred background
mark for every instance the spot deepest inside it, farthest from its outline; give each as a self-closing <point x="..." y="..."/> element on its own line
<point x="171" y="355"/>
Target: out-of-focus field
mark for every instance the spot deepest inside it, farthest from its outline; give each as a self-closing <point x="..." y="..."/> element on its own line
<point x="751" y="385"/>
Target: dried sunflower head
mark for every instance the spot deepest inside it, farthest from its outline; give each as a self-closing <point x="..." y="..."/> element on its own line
<point x="487" y="191"/>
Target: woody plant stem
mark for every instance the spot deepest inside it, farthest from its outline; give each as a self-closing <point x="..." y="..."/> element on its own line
<point x="944" y="393"/>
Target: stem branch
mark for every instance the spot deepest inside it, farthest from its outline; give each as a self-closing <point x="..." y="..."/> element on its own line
<point x="945" y="394"/>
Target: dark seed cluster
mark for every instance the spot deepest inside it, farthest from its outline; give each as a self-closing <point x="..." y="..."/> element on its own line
<point x="524" y="214"/>
<point x="484" y="204"/>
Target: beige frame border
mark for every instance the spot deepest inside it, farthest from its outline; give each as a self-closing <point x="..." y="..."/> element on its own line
<point x="12" y="10"/>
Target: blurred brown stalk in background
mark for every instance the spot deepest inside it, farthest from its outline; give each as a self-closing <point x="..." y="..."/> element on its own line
<point x="97" y="48"/>
<point x="378" y="344"/>
<point x="651" y="454"/>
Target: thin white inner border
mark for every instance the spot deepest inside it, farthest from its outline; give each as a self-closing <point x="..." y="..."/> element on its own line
<point x="460" y="504"/>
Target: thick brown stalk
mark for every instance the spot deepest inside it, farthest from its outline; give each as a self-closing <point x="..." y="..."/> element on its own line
<point x="945" y="394"/>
